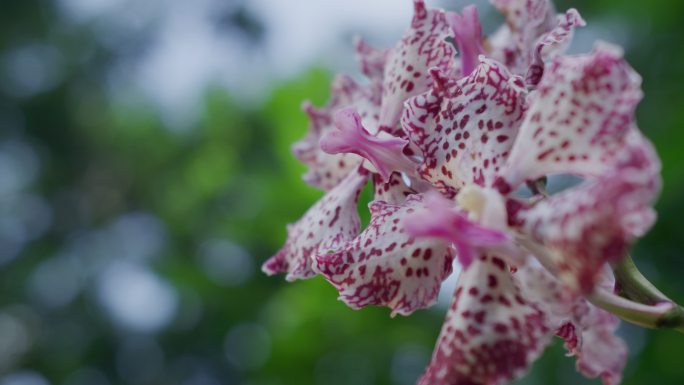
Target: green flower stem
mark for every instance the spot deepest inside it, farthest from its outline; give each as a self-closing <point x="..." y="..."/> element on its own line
<point x="633" y="285"/>
<point x="661" y="315"/>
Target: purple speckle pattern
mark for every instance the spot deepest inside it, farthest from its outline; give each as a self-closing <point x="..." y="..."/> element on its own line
<point x="465" y="127"/>
<point x="386" y="266"/>
<point x="595" y="222"/>
<point x="552" y="43"/>
<point x="327" y="225"/>
<point x="526" y="22"/>
<point x="579" y="117"/>
<point x="491" y="333"/>
<point x="424" y="46"/>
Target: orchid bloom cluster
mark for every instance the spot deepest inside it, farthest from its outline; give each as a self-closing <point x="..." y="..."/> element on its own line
<point x="448" y="126"/>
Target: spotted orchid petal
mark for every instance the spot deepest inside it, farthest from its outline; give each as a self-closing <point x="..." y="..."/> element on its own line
<point x="371" y="60"/>
<point x="327" y="225"/>
<point x="599" y="352"/>
<point x="553" y="43"/>
<point x="440" y="218"/>
<point x="465" y="127"/>
<point x="468" y="36"/>
<point x="526" y="22"/>
<point x="423" y="46"/>
<point x="385" y="154"/>
<point x="588" y="332"/>
<point x="386" y="266"/>
<point x="577" y="123"/>
<point x="586" y="226"/>
<point x="527" y="17"/>
<point x="327" y="170"/>
<point x="491" y="333"/>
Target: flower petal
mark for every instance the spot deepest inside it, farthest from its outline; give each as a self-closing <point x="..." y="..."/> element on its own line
<point x="589" y="332"/>
<point x="526" y="22"/>
<point x="371" y="60"/>
<point x="586" y="226"/>
<point x="553" y="43"/>
<point x="385" y="154"/>
<point x="600" y="353"/>
<point x="386" y="266"/>
<point x="465" y="127"/>
<point x="440" y="218"/>
<point x="582" y="111"/>
<point x="423" y="46"/>
<point x="327" y="225"/>
<point x="526" y="17"/>
<point x="468" y="36"/>
<point x="326" y="170"/>
<point x="491" y="334"/>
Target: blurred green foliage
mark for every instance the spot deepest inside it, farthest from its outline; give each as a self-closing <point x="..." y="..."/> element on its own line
<point x="232" y="177"/>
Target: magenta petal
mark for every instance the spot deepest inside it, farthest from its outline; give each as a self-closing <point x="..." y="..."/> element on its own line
<point x="423" y="46"/>
<point x="439" y="218"/>
<point x="491" y="334"/>
<point x="386" y="155"/>
<point x="327" y="225"/>
<point x="465" y="127"/>
<point x="386" y="266"/>
<point x="326" y="170"/>
<point x="468" y="35"/>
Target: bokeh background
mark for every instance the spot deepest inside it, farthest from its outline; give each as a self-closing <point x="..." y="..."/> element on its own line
<point x="145" y="175"/>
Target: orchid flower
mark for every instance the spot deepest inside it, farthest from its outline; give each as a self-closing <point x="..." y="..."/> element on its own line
<point x="449" y="126"/>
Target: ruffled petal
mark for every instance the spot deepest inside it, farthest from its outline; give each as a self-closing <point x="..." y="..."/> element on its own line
<point x="553" y="43"/>
<point x="586" y="226"/>
<point x="465" y="127"/>
<point x="423" y="46"/>
<point x="385" y="154"/>
<point x="327" y="170"/>
<point x="327" y="225"/>
<point x="577" y="123"/>
<point x="588" y="332"/>
<point x="386" y="266"/>
<point x="599" y="352"/>
<point x="528" y="18"/>
<point x="491" y="334"/>
<point x="371" y="60"/>
<point x="526" y="22"/>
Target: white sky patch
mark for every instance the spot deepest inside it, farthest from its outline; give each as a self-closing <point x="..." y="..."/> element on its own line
<point x="301" y="32"/>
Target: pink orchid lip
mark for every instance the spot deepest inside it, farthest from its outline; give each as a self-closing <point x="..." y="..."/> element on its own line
<point x="441" y="219"/>
<point x="385" y="154"/>
<point x="468" y="35"/>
